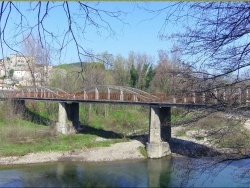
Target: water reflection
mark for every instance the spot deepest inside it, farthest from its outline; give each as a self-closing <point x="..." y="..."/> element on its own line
<point x="166" y="172"/>
<point x="159" y="172"/>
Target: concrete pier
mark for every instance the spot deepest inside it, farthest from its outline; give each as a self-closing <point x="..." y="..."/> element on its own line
<point x="68" y="118"/>
<point x="159" y="132"/>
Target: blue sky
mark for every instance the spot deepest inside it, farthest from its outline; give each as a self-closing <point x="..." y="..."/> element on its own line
<point x="139" y="34"/>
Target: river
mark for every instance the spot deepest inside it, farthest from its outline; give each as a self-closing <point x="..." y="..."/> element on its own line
<point x="165" y="172"/>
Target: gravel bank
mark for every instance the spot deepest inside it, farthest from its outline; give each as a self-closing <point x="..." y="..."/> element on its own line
<point x="118" y="151"/>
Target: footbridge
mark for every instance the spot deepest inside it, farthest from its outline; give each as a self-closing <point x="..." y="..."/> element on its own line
<point x="160" y="106"/>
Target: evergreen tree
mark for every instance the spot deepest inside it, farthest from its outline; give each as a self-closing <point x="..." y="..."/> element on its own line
<point x="133" y="76"/>
<point x="149" y="76"/>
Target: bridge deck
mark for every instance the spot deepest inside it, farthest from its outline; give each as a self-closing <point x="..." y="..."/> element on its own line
<point x="131" y="96"/>
<point x="159" y="104"/>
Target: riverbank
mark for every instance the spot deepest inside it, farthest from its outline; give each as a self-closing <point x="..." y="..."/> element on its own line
<point x="181" y="144"/>
<point x="118" y="151"/>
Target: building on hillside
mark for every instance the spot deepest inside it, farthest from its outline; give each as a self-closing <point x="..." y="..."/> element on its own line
<point x="2" y="68"/>
<point x="24" y="70"/>
<point x="19" y="62"/>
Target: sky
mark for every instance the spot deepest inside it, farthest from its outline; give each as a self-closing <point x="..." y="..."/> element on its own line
<point x="141" y="35"/>
<point x="138" y="32"/>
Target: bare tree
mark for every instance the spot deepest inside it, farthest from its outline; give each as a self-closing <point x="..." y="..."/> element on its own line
<point x="37" y="58"/>
<point x="77" y="18"/>
<point x="213" y="40"/>
<point x="215" y="35"/>
<point x="121" y="71"/>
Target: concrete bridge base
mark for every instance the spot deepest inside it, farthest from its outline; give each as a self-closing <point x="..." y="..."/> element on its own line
<point x="158" y="150"/>
<point x="68" y="118"/>
<point x="66" y="128"/>
<point x="159" y="132"/>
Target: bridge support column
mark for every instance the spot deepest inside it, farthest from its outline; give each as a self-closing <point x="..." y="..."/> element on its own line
<point x="159" y="132"/>
<point x="68" y="118"/>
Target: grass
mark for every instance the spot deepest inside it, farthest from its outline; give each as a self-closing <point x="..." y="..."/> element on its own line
<point x="143" y="151"/>
<point x="181" y="133"/>
<point x="228" y="133"/>
<point x="25" y="138"/>
<point x="119" y="119"/>
<point x="20" y="136"/>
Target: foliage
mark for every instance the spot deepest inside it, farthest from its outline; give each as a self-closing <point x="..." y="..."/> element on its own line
<point x="133" y="76"/>
<point x="126" y="120"/>
<point x="23" y="137"/>
<point x="149" y="75"/>
<point x="20" y="135"/>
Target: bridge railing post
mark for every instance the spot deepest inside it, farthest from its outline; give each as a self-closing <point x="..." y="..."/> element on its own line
<point x="135" y="98"/>
<point x="239" y="95"/>
<point x="108" y="94"/>
<point x="203" y="97"/>
<point x="96" y="94"/>
<point x="85" y="96"/>
<point x="174" y="99"/>
<point x="194" y="97"/>
<point x="121" y="95"/>
<point x="216" y="96"/>
<point x="224" y="94"/>
<point x="185" y="99"/>
<point x="247" y="95"/>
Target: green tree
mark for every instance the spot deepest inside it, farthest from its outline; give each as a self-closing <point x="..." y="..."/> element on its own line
<point x="133" y="76"/>
<point x="149" y="76"/>
<point x="141" y="70"/>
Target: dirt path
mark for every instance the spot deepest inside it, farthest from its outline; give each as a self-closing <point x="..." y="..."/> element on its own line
<point x="118" y="151"/>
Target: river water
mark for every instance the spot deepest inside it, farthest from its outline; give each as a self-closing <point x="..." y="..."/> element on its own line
<point x="165" y="172"/>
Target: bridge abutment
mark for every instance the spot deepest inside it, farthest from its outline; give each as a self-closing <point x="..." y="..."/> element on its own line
<point x="18" y="106"/>
<point x="68" y="118"/>
<point x="159" y="132"/>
